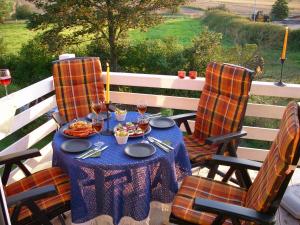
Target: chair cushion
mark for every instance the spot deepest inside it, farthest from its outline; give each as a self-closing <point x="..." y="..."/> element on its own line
<point x="78" y="82"/>
<point x="223" y="100"/>
<point x="193" y="187"/>
<point x="199" y="151"/>
<point x="52" y="176"/>
<point x="272" y="174"/>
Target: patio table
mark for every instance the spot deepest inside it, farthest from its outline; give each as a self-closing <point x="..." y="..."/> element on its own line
<point x="117" y="186"/>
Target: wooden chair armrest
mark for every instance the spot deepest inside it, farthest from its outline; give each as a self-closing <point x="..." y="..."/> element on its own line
<point x="236" y="163"/>
<point x="17" y="157"/>
<point x="31" y="195"/>
<point x="233" y="211"/>
<point x="225" y="138"/>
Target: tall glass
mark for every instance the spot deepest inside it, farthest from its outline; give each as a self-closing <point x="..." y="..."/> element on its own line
<point x="98" y="124"/>
<point x="5" y="79"/>
<point x="143" y="123"/>
<point x="142" y="107"/>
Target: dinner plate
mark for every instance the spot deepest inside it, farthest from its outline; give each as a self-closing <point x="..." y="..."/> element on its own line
<point x="102" y="114"/>
<point x="65" y="127"/>
<point x="162" y="122"/>
<point x="135" y="135"/>
<point x="75" y="145"/>
<point x="140" y="150"/>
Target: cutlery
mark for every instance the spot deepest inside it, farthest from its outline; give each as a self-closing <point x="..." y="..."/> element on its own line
<point x="95" y="151"/>
<point x="162" y="143"/>
<point x="158" y="145"/>
<point x="84" y="154"/>
<point x="154" y="115"/>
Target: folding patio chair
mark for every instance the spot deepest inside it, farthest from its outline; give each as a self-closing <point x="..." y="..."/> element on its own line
<point x="78" y="82"/>
<point x="204" y="201"/>
<point x="37" y="198"/>
<point x="220" y="114"/>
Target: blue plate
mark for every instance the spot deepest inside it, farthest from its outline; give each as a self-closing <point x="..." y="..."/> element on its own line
<point x="75" y="145"/>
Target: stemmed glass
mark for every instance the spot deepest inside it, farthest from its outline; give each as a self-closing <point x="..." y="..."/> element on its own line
<point x="142" y="107"/>
<point x="98" y="124"/>
<point x="97" y="107"/>
<point x="143" y="123"/>
<point x="5" y="78"/>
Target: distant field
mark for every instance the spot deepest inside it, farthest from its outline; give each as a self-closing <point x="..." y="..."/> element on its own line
<point x="15" y="35"/>
<point x="184" y="29"/>
<point x="245" y="7"/>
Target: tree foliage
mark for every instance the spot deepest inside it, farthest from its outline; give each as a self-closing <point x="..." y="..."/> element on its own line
<point x="280" y="10"/>
<point x="74" y="21"/>
<point x="5" y="9"/>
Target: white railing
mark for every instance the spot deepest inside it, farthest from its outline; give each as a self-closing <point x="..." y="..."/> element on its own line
<point x="40" y="89"/>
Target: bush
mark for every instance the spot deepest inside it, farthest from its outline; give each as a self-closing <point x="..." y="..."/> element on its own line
<point x="34" y="63"/>
<point x="206" y="48"/>
<point x="154" y="56"/>
<point x="23" y="12"/>
<point x="244" y="31"/>
<point x="280" y="10"/>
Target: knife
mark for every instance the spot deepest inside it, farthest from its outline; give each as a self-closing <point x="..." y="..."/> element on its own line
<point x="162" y="143"/>
<point x="159" y="145"/>
<point x="95" y="151"/>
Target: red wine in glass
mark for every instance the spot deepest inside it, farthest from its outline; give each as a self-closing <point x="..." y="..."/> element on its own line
<point x="143" y="123"/>
<point x="5" y="78"/>
<point x="97" y="124"/>
<point x="142" y="109"/>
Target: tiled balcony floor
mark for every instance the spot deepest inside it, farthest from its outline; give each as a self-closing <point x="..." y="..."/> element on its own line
<point x="157" y="216"/>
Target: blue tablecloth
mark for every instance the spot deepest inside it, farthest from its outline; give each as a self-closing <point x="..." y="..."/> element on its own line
<point x="118" y="185"/>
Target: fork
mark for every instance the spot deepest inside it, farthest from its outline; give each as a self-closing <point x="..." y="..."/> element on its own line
<point x="95" y="151"/>
<point x="158" y="144"/>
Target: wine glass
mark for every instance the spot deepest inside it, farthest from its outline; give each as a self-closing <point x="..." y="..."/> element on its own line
<point x="5" y="78"/>
<point x="97" y="106"/>
<point x="142" y="107"/>
<point x="98" y="124"/>
<point x="143" y="123"/>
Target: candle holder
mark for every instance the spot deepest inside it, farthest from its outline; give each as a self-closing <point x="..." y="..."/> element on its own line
<point x="280" y="83"/>
<point x="108" y="131"/>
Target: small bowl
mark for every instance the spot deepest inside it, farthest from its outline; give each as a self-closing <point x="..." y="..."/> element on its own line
<point x="121" y="140"/>
<point x="121" y="116"/>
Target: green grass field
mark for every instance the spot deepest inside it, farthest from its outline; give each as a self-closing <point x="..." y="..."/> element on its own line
<point x="15" y="35"/>
<point x="182" y="28"/>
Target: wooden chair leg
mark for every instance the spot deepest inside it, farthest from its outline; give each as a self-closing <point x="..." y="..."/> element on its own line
<point x="62" y="219"/>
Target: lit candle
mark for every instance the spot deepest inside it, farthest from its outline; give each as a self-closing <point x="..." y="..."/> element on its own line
<point x="283" y="53"/>
<point x="107" y="99"/>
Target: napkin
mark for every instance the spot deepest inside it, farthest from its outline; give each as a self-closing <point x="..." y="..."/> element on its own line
<point x="7" y="114"/>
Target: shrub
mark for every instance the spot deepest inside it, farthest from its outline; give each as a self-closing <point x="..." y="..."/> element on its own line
<point x="154" y="56"/>
<point x="244" y="31"/>
<point x="206" y="48"/>
<point x="34" y="63"/>
<point x="280" y="10"/>
<point x="23" y="12"/>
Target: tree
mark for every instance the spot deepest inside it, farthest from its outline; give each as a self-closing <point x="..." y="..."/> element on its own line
<point x="74" y="21"/>
<point x="5" y="8"/>
<point x="280" y="10"/>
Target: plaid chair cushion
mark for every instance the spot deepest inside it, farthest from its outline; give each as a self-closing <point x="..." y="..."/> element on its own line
<point x="52" y="176"/>
<point x="193" y="187"/>
<point x="273" y="172"/>
<point x="198" y="150"/>
<point x="221" y="107"/>
<point x="78" y="82"/>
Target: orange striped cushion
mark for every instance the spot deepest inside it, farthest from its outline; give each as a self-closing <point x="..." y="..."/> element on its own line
<point x="223" y="100"/>
<point x="77" y="82"/>
<point x="193" y="187"/>
<point x="199" y="151"/>
<point x="273" y="171"/>
<point x="52" y="176"/>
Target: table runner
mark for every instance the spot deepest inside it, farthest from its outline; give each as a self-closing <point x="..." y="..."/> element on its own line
<point x="118" y="185"/>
